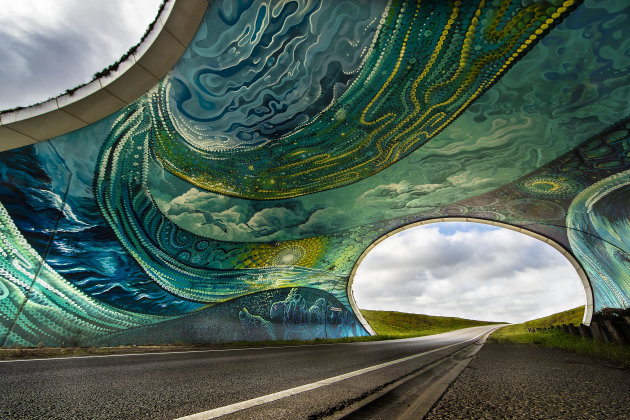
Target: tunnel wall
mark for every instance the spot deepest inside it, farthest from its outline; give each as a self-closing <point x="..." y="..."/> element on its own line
<point x="232" y="201"/>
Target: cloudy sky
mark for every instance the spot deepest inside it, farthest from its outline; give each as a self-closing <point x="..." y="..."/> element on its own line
<point x="49" y="46"/>
<point x="468" y="270"/>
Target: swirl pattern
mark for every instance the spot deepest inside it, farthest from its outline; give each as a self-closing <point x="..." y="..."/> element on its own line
<point x="233" y="200"/>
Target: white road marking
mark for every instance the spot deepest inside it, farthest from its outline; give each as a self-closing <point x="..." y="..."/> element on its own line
<point x="167" y="352"/>
<point x="232" y="408"/>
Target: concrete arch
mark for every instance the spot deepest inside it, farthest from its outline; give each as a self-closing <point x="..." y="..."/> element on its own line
<point x="588" y="309"/>
<point x="155" y="56"/>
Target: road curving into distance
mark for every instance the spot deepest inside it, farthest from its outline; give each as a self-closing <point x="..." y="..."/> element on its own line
<point x="280" y="382"/>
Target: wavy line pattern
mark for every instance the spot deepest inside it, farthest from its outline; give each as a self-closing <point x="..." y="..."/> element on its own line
<point x="233" y="200"/>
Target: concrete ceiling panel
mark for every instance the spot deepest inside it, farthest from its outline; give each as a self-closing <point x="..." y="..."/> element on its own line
<point x="184" y="18"/>
<point x="48" y="125"/>
<point x="95" y="106"/>
<point x="135" y="82"/>
<point x="164" y="52"/>
<point x="11" y="139"/>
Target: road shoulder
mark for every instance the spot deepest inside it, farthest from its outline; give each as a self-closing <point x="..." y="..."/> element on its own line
<point x="524" y="381"/>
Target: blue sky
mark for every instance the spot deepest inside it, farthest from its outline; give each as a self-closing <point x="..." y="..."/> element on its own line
<point x="456" y="269"/>
<point x="448" y="229"/>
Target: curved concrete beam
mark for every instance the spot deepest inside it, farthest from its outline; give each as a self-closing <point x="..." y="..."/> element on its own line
<point x="588" y="309"/>
<point x="154" y="57"/>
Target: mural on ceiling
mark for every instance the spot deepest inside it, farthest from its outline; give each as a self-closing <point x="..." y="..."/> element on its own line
<point x="232" y="201"/>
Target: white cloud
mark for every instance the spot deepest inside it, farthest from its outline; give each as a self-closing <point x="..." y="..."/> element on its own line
<point x="471" y="271"/>
<point x="400" y="195"/>
<point x="231" y="219"/>
<point x="47" y="47"/>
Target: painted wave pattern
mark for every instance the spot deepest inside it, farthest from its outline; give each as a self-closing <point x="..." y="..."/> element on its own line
<point x="569" y="88"/>
<point x="258" y="70"/>
<point x="208" y="210"/>
<point x="542" y="200"/>
<point x="84" y="251"/>
<point x="599" y="232"/>
<point x="427" y="64"/>
<point x="184" y="263"/>
<point x="38" y="306"/>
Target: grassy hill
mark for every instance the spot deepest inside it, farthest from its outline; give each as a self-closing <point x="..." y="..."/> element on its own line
<point x="403" y="325"/>
<point x="572" y="316"/>
<point x="560" y="340"/>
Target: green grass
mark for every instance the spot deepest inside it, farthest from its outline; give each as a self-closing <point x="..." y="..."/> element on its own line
<point x="388" y="324"/>
<point x="558" y="339"/>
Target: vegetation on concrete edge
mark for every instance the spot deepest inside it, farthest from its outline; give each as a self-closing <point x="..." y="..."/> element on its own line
<point x="558" y="339"/>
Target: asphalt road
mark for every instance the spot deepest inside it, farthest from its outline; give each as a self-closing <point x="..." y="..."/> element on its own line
<point x="171" y="385"/>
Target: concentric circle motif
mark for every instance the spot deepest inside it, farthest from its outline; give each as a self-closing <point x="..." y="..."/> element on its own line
<point x="550" y="187"/>
<point x="454" y="210"/>
<point x="531" y="209"/>
<point x="302" y="252"/>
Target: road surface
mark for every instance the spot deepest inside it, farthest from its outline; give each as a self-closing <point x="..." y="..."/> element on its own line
<point x="283" y="382"/>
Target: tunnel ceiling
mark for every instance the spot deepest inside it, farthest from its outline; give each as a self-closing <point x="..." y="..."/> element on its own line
<point x="234" y="198"/>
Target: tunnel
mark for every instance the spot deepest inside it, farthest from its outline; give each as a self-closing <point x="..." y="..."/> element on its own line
<point x="223" y="181"/>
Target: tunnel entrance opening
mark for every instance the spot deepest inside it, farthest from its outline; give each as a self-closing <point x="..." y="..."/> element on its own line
<point x="469" y="268"/>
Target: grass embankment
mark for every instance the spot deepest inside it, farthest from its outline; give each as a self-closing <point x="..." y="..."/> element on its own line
<point x="391" y="325"/>
<point x="388" y="326"/>
<point x="558" y="339"/>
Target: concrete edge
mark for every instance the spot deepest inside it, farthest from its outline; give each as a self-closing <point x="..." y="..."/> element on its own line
<point x="588" y="290"/>
<point x="155" y="56"/>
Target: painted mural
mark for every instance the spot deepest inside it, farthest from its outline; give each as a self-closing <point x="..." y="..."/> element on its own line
<point x="232" y="201"/>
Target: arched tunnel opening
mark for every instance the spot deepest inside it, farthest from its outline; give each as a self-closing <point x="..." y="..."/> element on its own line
<point x="472" y="269"/>
<point x="191" y="203"/>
